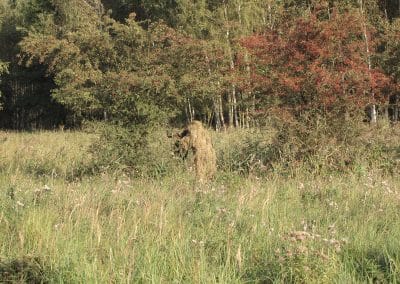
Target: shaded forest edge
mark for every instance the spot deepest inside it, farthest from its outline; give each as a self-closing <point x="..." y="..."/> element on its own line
<point x="226" y="63"/>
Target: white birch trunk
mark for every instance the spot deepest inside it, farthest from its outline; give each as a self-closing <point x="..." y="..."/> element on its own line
<point x="221" y="112"/>
<point x="190" y="111"/>
<point x="373" y="112"/>
<point x="233" y="120"/>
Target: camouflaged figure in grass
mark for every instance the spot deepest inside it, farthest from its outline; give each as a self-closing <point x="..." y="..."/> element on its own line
<point x="196" y="138"/>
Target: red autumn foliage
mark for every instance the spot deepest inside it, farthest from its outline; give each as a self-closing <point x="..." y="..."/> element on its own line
<point x="313" y="63"/>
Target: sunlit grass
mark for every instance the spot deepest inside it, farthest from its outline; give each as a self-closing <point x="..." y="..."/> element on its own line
<point x="55" y="154"/>
<point x="115" y="228"/>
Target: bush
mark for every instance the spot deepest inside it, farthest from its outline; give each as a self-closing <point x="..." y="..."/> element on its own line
<point x="137" y="150"/>
<point x="240" y="150"/>
<point x="315" y="143"/>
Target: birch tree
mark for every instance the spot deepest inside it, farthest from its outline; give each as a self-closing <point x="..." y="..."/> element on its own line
<point x="372" y="109"/>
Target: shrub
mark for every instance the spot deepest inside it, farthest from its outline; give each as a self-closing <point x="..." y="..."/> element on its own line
<point x="315" y="143"/>
<point x="137" y="150"/>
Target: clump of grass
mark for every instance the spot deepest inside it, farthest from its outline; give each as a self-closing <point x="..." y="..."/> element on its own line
<point x="245" y="151"/>
<point x="23" y="270"/>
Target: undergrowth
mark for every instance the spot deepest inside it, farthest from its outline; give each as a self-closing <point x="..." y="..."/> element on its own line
<point x="313" y="144"/>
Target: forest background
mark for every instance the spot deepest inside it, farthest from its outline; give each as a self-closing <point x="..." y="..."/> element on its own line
<point x="227" y="63"/>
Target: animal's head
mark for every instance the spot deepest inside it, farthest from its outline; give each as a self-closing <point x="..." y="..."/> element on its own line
<point x="182" y="144"/>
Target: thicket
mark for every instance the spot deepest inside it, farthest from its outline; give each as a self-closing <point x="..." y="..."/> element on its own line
<point x="315" y="144"/>
<point x="145" y="65"/>
<point x="278" y="149"/>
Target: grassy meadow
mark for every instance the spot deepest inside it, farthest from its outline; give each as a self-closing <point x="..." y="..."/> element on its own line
<point x="60" y="222"/>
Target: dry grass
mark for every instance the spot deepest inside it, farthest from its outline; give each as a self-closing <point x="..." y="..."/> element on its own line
<point x="119" y="229"/>
<point x="55" y="154"/>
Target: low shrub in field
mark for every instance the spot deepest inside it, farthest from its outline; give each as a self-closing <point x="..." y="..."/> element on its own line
<point x="139" y="150"/>
<point x="376" y="265"/>
<point x="307" y="257"/>
<point x="311" y="143"/>
<point x="242" y="150"/>
<point x="316" y="144"/>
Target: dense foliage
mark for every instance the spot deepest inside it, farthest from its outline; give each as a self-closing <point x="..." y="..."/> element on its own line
<point x="227" y="63"/>
<point x="313" y="63"/>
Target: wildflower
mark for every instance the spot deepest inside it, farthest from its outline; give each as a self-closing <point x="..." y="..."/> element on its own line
<point x="302" y="250"/>
<point x="299" y="235"/>
<point x="200" y="243"/>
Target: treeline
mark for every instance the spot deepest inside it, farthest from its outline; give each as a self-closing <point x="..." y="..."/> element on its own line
<point x="229" y="63"/>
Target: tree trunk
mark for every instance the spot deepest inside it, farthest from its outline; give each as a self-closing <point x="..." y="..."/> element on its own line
<point x="396" y="108"/>
<point x="233" y="120"/>
<point x="386" y="112"/>
<point x="250" y="95"/>
<point x="217" y="116"/>
<point x="270" y="21"/>
<point x="385" y="11"/>
<point x="373" y="112"/>
<point x="234" y="106"/>
<point x="217" y="110"/>
<point x="247" y="118"/>
<point x="190" y="111"/>
<point x="230" y="113"/>
<point x="221" y="112"/>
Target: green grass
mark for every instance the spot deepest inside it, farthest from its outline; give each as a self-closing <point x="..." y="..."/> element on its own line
<point x="112" y="228"/>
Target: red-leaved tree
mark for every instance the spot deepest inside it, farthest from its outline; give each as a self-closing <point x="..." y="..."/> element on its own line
<point x="314" y="62"/>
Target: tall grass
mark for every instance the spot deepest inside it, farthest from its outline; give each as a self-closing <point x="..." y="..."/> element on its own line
<point x="119" y="228"/>
<point x="46" y="154"/>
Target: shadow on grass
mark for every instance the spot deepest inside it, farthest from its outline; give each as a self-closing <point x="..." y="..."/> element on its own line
<point x="23" y="270"/>
<point x="376" y="266"/>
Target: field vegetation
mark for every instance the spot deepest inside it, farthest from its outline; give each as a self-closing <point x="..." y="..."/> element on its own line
<point x="267" y="217"/>
<point x="301" y="99"/>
